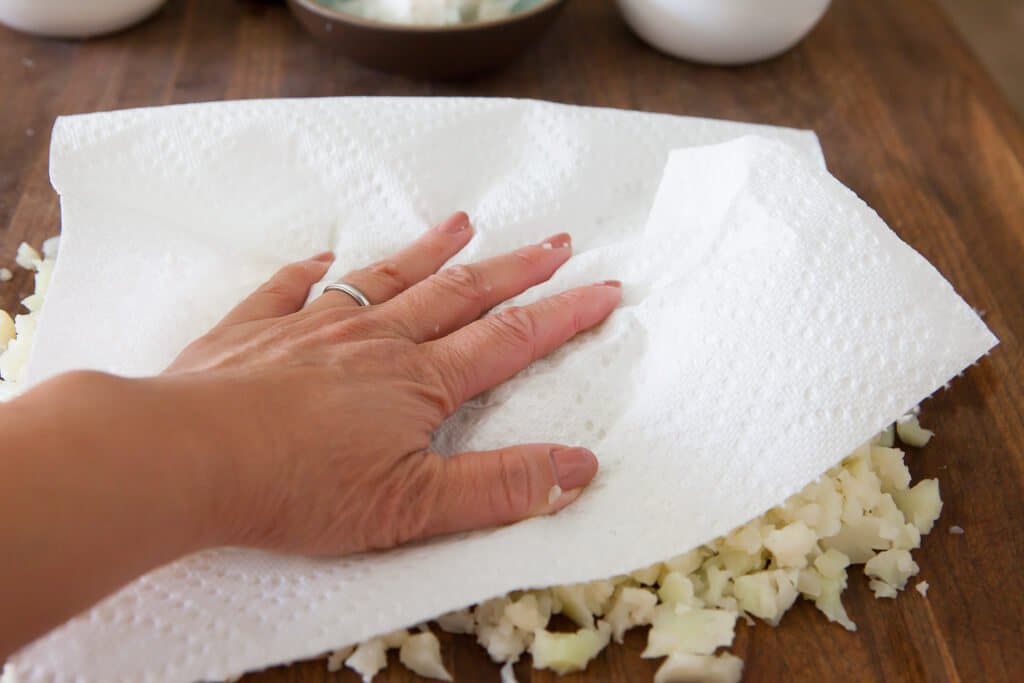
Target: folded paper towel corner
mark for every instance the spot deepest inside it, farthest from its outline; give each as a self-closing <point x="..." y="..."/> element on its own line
<point x="771" y="323"/>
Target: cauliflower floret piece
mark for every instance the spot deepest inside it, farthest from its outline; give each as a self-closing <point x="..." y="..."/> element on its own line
<point x="921" y="504"/>
<point x="647" y="576"/>
<point x="459" y="621"/>
<point x="912" y="433"/>
<point x="886" y="437"/>
<point x="566" y="652"/>
<point x="685" y="564"/>
<point x="7" y="332"/>
<point x="858" y="539"/>
<point x="27" y="257"/>
<point x="893" y="472"/>
<point x="581" y="601"/>
<point x="368" y="659"/>
<point x="496" y="632"/>
<point x="748" y="538"/>
<point x="678" y="589"/>
<point x="892" y="568"/>
<point x="421" y="654"/>
<point x="766" y="594"/>
<point x="832" y="564"/>
<point x="791" y="544"/>
<point x="830" y="602"/>
<point x="337" y="658"/>
<point x="529" y="612"/>
<point x="630" y="607"/>
<point x="681" y="667"/>
<point x="693" y="631"/>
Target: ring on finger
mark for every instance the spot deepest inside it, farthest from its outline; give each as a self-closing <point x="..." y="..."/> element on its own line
<point x="353" y="291"/>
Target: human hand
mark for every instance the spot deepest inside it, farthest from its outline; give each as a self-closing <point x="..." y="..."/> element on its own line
<point x="320" y="417"/>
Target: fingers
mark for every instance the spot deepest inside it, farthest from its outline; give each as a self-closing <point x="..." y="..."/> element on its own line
<point x="459" y="295"/>
<point x="492" y="488"/>
<point x="282" y="294"/>
<point x="384" y="279"/>
<point x="493" y="349"/>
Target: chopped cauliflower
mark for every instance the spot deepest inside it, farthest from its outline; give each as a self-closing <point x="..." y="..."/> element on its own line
<point x="791" y="544"/>
<point x="921" y="504"/>
<point x="421" y="654"/>
<point x="368" y="659"/>
<point x="693" y="631"/>
<point x="567" y="652"/>
<point x="686" y="668"/>
<point x="912" y="433"/>
<point x="460" y="621"/>
<point x="767" y="594"/>
<point x="630" y="607"/>
<point x="892" y="568"/>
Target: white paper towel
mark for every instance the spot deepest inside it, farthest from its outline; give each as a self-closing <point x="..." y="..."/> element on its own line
<point x="771" y="323"/>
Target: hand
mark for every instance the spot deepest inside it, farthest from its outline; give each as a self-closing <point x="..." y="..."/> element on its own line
<point x="321" y="417"/>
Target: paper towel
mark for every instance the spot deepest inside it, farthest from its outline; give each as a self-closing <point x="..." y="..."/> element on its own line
<point x="771" y="323"/>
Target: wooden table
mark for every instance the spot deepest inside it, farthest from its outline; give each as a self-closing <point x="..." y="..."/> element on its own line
<point x="907" y="118"/>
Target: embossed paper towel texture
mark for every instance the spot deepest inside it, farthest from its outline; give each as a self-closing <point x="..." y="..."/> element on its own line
<point x="771" y="323"/>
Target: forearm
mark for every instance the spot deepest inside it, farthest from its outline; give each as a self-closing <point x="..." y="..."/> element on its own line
<point x="99" y="483"/>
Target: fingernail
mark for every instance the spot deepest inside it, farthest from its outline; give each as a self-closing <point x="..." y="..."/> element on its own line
<point x="574" y="467"/>
<point x="560" y="241"/>
<point x="610" y="283"/>
<point x="325" y="257"/>
<point x="457" y="222"/>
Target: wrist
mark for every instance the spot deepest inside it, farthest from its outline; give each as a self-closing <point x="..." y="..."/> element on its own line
<point x="135" y="450"/>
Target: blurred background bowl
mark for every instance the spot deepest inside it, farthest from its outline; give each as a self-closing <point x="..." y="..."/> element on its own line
<point x="434" y="52"/>
<point x="75" y="19"/>
<point x="723" y="31"/>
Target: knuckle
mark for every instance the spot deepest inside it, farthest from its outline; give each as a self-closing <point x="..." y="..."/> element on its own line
<point x="515" y="494"/>
<point x="517" y="325"/>
<point x="530" y="257"/>
<point x="444" y="383"/>
<point x="388" y="275"/>
<point x="463" y="281"/>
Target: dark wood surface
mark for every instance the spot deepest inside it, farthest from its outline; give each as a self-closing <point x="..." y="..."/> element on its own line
<point x="907" y="118"/>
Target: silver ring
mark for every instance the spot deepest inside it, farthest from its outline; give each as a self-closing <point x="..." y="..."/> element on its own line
<point x="351" y="290"/>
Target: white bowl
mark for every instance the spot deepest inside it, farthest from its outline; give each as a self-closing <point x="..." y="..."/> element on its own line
<point x="723" y="31"/>
<point x="75" y="18"/>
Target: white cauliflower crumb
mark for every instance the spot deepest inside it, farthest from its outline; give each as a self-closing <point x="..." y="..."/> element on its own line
<point x="567" y="652"/>
<point x="337" y="658"/>
<point x="14" y="349"/>
<point x="922" y="588"/>
<point x="460" y="621"/>
<point x="693" y="631"/>
<point x="7" y="329"/>
<point x="421" y="654"/>
<point x="51" y="246"/>
<point x="368" y="659"/>
<point x="630" y="607"/>
<point x="921" y="504"/>
<point x="791" y="544"/>
<point x="892" y="568"/>
<point x="686" y="668"/>
<point x="27" y="257"/>
<point x="6" y="275"/>
<point x="508" y="674"/>
<point x="956" y="530"/>
<point x="912" y="433"/>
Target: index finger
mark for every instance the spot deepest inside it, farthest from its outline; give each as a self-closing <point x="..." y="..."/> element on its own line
<point x="489" y="351"/>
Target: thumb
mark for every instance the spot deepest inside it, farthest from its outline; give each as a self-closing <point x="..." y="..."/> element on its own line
<point x="492" y="488"/>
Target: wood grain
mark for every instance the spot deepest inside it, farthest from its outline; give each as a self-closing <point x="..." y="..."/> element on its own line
<point x="907" y="118"/>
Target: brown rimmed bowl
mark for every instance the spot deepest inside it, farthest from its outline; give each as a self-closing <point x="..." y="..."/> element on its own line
<point x="433" y="52"/>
